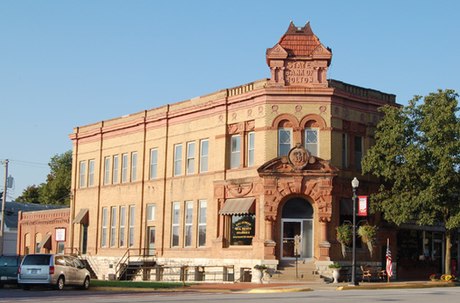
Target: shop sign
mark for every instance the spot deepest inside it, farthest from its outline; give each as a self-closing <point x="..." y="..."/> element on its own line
<point x="60" y="234"/>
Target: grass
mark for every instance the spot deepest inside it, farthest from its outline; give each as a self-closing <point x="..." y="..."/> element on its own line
<point x="136" y="284"/>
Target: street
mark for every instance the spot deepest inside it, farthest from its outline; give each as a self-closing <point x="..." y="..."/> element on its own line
<point x="449" y="294"/>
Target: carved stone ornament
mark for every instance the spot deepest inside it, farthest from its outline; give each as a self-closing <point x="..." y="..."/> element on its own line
<point x="239" y="190"/>
<point x="299" y="157"/>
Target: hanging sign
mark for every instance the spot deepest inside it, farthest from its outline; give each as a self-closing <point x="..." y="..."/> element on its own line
<point x="362" y="206"/>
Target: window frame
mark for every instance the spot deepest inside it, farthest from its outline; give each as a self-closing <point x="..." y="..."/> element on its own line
<point x="190" y="161"/>
<point x="204" y="155"/>
<point x="175" y="224"/>
<point x="133" y="174"/>
<point x="280" y="130"/>
<point x="91" y="172"/>
<point x="202" y="218"/>
<point x="104" y="225"/>
<point x="122" y="227"/>
<point x="251" y="144"/>
<point x="132" y="219"/>
<point x="124" y="168"/>
<point x="316" y="144"/>
<point x="107" y="170"/>
<point x="151" y="211"/>
<point x="188" y="224"/>
<point x="82" y="174"/>
<point x="153" y="173"/>
<point x="113" y="226"/>
<point x="115" y="169"/>
<point x="177" y="160"/>
<point x="235" y="151"/>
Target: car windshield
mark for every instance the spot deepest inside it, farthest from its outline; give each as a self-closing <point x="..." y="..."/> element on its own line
<point x="37" y="260"/>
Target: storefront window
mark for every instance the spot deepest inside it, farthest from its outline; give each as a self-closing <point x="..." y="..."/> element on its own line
<point x="243" y="229"/>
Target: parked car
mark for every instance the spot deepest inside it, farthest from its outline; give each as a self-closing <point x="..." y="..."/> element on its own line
<point x="53" y="270"/>
<point x="9" y="269"/>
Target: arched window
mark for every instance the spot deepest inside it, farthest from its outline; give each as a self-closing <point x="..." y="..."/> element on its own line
<point x="311" y="140"/>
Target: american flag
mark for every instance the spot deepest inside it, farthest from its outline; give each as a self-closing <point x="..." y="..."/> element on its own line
<point x="389" y="264"/>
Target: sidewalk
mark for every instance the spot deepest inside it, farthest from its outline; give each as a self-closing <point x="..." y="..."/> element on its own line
<point x="311" y="286"/>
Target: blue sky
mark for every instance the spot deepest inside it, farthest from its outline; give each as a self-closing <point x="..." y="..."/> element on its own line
<point x="70" y="63"/>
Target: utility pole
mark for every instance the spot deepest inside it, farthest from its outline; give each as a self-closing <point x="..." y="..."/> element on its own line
<point x="2" y="226"/>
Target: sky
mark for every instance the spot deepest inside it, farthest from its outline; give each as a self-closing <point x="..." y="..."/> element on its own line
<point x="67" y="63"/>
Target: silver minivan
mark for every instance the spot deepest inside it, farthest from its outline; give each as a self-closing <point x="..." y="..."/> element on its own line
<point x="53" y="270"/>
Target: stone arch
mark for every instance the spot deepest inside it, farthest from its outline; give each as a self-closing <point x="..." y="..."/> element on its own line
<point x="313" y="120"/>
<point x="284" y="120"/>
<point x="26" y="249"/>
<point x="38" y="240"/>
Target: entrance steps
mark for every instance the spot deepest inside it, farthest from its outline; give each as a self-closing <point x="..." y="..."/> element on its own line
<point x="296" y="271"/>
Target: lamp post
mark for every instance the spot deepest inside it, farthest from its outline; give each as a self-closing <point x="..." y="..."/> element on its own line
<point x="354" y="185"/>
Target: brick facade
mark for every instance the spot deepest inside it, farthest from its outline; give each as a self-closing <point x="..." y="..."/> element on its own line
<point x="161" y="158"/>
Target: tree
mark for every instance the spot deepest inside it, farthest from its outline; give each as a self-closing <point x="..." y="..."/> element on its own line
<point x="56" y="189"/>
<point x="31" y="194"/>
<point x="417" y="157"/>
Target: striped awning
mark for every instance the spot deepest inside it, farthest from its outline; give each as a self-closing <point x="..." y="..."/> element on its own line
<point x="46" y="242"/>
<point x="238" y="206"/>
<point x="81" y="217"/>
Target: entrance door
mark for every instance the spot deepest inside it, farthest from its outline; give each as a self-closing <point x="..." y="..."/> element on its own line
<point x="84" y="239"/>
<point x="151" y="240"/>
<point x="297" y="230"/>
<point x="297" y="239"/>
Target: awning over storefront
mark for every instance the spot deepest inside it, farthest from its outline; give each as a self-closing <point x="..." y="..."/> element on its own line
<point x="81" y="217"/>
<point x="46" y="243"/>
<point x="238" y="206"/>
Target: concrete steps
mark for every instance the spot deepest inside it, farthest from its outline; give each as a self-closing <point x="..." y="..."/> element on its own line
<point x="300" y="271"/>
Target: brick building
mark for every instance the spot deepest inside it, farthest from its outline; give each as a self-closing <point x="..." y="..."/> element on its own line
<point x="229" y="178"/>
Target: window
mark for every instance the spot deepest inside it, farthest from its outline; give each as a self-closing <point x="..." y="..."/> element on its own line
<point x="284" y="141"/>
<point x="104" y="227"/>
<point x="132" y="212"/>
<point x="153" y="163"/>
<point x="190" y="168"/>
<point x="235" y="152"/>
<point x="177" y="160"/>
<point x="115" y="174"/>
<point x="175" y="224"/>
<point x="251" y="143"/>
<point x="202" y="223"/>
<point x="151" y="212"/>
<point x="133" y="166"/>
<point x="122" y="231"/>
<point x="91" y="165"/>
<point x="243" y="229"/>
<point x="358" y="151"/>
<point x="311" y="141"/>
<point x="344" y="150"/>
<point x="113" y="227"/>
<point x="188" y="223"/>
<point x="204" y="155"/>
<point x="124" y="168"/>
<point x="82" y="174"/>
<point x="106" y="170"/>
<point x="60" y="247"/>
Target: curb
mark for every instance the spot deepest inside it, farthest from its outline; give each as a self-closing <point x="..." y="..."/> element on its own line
<point x="398" y="286"/>
<point x="276" y="290"/>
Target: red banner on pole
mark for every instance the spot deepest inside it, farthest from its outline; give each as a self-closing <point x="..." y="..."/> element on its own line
<point x="362" y="206"/>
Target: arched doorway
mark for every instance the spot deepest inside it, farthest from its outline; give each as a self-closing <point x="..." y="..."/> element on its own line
<point x="297" y="229"/>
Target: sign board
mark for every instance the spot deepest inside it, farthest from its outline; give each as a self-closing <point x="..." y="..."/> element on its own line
<point x="60" y="234"/>
<point x="362" y="206"/>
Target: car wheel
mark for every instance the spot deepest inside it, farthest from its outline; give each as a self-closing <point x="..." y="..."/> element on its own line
<point x="85" y="285"/>
<point x="60" y="283"/>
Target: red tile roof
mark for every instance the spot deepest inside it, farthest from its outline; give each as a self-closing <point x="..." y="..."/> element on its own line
<point x="299" y="41"/>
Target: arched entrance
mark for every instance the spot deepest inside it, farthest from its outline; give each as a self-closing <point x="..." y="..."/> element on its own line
<point x="297" y="229"/>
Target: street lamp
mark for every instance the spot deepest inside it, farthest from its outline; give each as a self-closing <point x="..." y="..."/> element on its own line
<point x="354" y="185"/>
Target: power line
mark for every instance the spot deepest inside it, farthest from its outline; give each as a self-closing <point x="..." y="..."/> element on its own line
<point x="29" y="163"/>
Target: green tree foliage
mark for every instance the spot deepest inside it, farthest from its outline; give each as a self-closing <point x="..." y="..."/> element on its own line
<point x="31" y="195"/>
<point x="56" y="189"/>
<point x="417" y="157"/>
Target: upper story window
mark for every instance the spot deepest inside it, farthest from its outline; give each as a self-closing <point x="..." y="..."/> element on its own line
<point x="133" y="166"/>
<point x="115" y="169"/>
<point x="82" y="175"/>
<point x="284" y="141"/>
<point x="190" y="168"/>
<point x="106" y="170"/>
<point x="311" y="141"/>
<point x="91" y="166"/>
<point x="153" y="163"/>
<point x="235" y="152"/>
<point x="177" y="159"/>
<point x="104" y="225"/>
<point x="151" y="212"/>
<point x="251" y="149"/>
<point x="204" y="151"/>
<point x="344" y="150"/>
<point x="124" y="168"/>
<point x="358" y="151"/>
